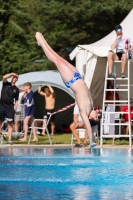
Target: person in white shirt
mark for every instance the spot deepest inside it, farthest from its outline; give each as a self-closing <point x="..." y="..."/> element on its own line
<point x="78" y="123"/>
<point x="121" y="43"/>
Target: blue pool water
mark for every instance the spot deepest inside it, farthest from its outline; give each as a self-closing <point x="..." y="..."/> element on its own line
<point x="66" y="174"/>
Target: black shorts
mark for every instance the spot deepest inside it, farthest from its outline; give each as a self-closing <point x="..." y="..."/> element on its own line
<point x="46" y="116"/>
<point x="119" y="55"/>
<point x="7" y="112"/>
<point x="93" y="122"/>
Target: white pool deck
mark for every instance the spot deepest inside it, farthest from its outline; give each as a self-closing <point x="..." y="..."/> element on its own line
<point x="62" y="146"/>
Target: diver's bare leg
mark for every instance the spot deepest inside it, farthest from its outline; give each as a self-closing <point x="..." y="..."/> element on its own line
<point x="64" y="67"/>
<point x="67" y="70"/>
<point x="54" y="53"/>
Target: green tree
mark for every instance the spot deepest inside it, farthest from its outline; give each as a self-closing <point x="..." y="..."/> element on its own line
<point x="17" y="42"/>
<point x="63" y="23"/>
<point x="69" y="23"/>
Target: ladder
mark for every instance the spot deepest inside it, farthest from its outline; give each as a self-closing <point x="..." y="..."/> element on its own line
<point x="116" y="103"/>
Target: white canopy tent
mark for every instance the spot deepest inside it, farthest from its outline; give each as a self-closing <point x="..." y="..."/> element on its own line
<point x="91" y="61"/>
<point x="42" y="78"/>
<point x="64" y="95"/>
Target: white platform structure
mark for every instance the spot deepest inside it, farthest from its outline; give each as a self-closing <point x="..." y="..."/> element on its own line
<point x="109" y="106"/>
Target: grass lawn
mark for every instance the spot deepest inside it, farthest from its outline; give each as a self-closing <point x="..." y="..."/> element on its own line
<point x="63" y="138"/>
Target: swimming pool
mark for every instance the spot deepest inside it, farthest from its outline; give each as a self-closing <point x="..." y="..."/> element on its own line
<point x="66" y="174"/>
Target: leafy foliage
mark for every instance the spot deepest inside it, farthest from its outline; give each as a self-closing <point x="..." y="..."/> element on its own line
<point x="63" y="23"/>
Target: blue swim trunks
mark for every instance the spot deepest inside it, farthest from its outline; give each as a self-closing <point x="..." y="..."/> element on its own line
<point x="76" y="77"/>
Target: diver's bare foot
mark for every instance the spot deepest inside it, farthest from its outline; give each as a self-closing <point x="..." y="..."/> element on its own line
<point x="43" y="134"/>
<point x="34" y="140"/>
<point x="23" y="139"/>
<point x="39" y="38"/>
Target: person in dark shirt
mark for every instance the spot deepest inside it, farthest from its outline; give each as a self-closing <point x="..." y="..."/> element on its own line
<point x="29" y="111"/>
<point x="9" y="102"/>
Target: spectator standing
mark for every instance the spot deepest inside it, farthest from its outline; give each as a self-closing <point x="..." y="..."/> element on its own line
<point x="9" y="102"/>
<point x="49" y="96"/>
<point x="29" y="111"/>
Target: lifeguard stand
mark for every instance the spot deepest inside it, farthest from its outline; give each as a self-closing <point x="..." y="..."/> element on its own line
<point x="126" y="87"/>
